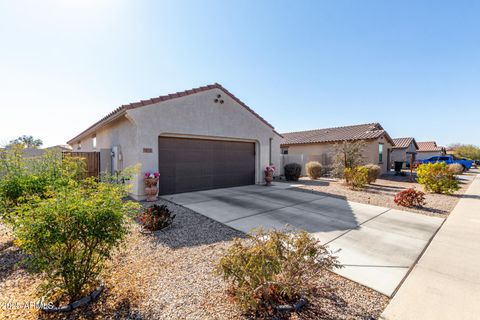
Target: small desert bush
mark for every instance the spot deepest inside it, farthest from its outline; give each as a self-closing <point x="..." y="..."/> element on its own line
<point x="156" y="217"/>
<point x="314" y="169"/>
<point x="437" y="177"/>
<point x="356" y="177"/>
<point x="410" y="198"/>
<point x="70" y="234"/>
<point x="274" y="268"/>
<point x="373" y="172"/>
<point x="456" y="168"/>
<point x="292" y="171"/>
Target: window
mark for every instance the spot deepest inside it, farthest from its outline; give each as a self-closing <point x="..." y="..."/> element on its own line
<point x="79" y="145"/>
<point x="94" y="142"/>
<point x="284" y="151"/>
<point x="380" y="153"/>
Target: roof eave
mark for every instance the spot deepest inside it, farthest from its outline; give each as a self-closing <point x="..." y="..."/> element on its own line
<point x="120" y="111"/>
<point x="117" y="115"/>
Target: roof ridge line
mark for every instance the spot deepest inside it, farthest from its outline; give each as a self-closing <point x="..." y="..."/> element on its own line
<point x="339" y="127"/>
<point x="178" y="94"/>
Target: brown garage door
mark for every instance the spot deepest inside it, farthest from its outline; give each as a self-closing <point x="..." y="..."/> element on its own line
<point x="197" y="164"/>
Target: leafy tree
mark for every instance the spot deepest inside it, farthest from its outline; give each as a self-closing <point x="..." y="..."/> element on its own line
<point x="21" y="177"/>
<point x="27" y="141"/>
<point x="347" y="155"/>
<point x="469" y="151"/>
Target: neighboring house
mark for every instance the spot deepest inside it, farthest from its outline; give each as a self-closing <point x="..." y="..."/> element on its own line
<point x="317" y="145"/>
<point x="404" y="149"/>
<point x="427" y="149"/>
<point x="198" y="139"/>
<point x="61" y="148"/>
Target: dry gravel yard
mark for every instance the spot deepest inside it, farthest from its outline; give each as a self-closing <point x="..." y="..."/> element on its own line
<point x="169" y="276"/>
<point x="383" y="191"/>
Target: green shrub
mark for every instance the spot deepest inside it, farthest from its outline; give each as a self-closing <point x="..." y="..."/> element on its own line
<point x="69" y="235"/>
<point x="437" y="177"/>
<point x="292" y="171"/>
<point x="314" y="169"/>
<point x="356" y="177"/>
<point x="456" y="168"/>
<point x="272" y="268"/>
<point x="373" y="172"/>
<point x="22" y="176"/>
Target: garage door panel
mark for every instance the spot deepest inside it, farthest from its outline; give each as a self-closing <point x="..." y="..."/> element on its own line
<point x="197" y="164"/>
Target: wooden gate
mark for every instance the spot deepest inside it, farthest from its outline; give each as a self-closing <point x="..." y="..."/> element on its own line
<point x="92" y="161"/>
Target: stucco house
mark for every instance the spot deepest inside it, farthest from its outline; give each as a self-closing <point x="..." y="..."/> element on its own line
<point x="404" y="149"/>
<point x="199" y="139"/>
<point x="427" y="149"/>
<point x="318" y="145"/>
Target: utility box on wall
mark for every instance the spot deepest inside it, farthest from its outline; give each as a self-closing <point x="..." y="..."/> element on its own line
<point x="117" y="159"/>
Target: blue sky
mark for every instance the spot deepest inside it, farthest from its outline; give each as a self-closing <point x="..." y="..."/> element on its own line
<point x="413" y="66"/>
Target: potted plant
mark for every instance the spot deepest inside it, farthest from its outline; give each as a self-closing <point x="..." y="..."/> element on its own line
<point x="269" y="171"/>
<point x="151" y="179"/>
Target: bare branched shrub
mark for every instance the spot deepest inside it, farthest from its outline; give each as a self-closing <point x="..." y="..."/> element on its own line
<point x="274" y="268"/>
<point x="347" y="155"/>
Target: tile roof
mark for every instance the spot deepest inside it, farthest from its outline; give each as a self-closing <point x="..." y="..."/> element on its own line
<point x="122" y="109"/>
<point x="346" y="133"/>
<point x="402" y="143"/>
<point x="428" y="146"/>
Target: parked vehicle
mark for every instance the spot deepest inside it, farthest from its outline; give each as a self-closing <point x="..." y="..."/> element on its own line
<point x="467" y="164"/>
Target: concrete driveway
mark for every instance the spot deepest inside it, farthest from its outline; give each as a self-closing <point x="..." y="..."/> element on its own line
<point x="378" y="245"/>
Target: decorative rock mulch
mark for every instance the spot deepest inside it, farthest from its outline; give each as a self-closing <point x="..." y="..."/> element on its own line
<point x="170" y="275"/>
<point x="383" y="191"/>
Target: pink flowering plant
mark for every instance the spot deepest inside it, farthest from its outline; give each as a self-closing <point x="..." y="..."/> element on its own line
<point x="151" y="178"/>
<point x="269" y="170"/>
<point x="152" y="175"/>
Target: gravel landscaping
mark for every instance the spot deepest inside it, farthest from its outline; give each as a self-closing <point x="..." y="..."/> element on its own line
<point x="169" y="275"/>
<point x="383" y="191"/>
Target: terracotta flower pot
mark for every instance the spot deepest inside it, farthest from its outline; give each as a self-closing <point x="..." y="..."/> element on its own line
<point x="268" y="179"/>
<point x="151" y="189"/>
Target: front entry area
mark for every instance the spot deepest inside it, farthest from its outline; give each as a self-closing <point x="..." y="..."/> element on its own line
<point x="187" y="164"/>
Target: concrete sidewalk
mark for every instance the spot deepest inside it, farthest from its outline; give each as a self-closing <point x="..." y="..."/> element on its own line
<point x="445" y="284"/>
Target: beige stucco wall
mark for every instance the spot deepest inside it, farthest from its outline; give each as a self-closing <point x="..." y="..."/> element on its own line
<point x="195" y="116"/>
<point x="401" y="154"/>
<point x="370" y="154"/>
<point x="422" y="155"/>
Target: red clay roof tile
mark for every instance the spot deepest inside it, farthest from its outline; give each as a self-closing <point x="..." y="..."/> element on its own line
<point x="402" y="143"/>
<point x="165" y="98"/>
<point x="346" y="133"/>
<point x="428" y="146"/>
